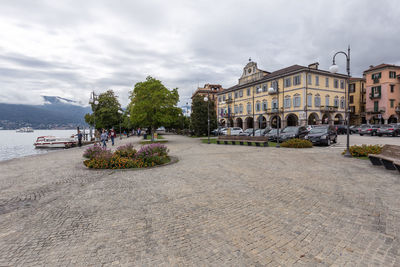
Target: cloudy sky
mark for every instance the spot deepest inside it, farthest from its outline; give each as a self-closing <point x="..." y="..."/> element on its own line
<point x="69" y="48"/>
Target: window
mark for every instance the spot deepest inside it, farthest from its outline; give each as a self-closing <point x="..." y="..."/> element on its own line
<point x="392" y="103"/>
<point x="352" y="88"/>
<point x="287" y="102"/>
<point x="376" y="91"/>
<point x="376" y="76"/>
<point x="236" y="94"/>
<point x="264" y="88"/>
<point x="296" y="101"/>
<point x="236" y="109"/>
<point x="219" y="99"/>
<point x="248" y="108"/>
<point x="309" y="100"/>
<point x="240" y="108"/>
<point x="392" y="88"/>
<point x="258" y="89"/>
<point x="288" y="82"/>
<point x="248" y="91"/>
<point x="274" y="85"/>
<point x="392" y="74"/>
<point x="336" y="102"/>
<point x="376" y="106"/>
<point x="224" y="97"/>
<point x="336" y="83"/>
<point x="265" y="105"/>
<point x="341" y="84"/>
<point x="342" y="102"/>
<point x="274" y="103"/>
<point x="351" y="99"/>
<point x="309" y="79"/>
<point x="326" y="82"/>
<point x="230" y="96"/>
<point x="297" y="80"/>
<point x="317" y="101"/>
<point x="258" y="106"/>
<point x="316" y="80"/>
<point x="327" y="100"/>
<point x="241" y="93"/>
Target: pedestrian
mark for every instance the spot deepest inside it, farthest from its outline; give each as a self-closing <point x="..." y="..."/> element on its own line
<point x="138" y="132"/>
<point x="103" y="138"/>
<point x="80" y="138"/>
<point x="112" y="135"/>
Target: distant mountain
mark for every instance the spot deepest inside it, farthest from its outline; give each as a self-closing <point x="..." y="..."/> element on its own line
<point x="56" y="112"/>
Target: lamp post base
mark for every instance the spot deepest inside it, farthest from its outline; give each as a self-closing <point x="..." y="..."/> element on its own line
<point x="347" y="154"/>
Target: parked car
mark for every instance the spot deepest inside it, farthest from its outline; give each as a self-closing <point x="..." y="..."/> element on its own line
<point x="322" y="135"/>
<point x="309" y="127"/>
<point x="293" y="132"/>
<point x="260" y="132"/>
<point x="247" y="132"/>
<point x="354" y="128"/>
<point x="272" y="135"/>
<point x="368" y="129"/>
<point x="217" y="131"/>
<point x="233" y="130"/>
<point x="389" y="129"/>
<point x="341" y="129"/>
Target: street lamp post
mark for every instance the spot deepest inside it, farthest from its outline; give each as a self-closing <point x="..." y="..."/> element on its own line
<point x="94" y="100"/>
<point x="207" y="98"/>
<point x="272" y="90"/>
<point x="120" y="129"/>
<point x="333" y="69"/>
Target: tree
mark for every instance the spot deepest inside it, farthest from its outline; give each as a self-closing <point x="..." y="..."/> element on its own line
<point x="153" y="105"/>
<point x="199" y="115"/>
<point x="105" y="113"/>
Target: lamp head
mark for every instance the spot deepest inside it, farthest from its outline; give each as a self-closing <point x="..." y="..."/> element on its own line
<point x="96" y="102"/>
<point x="120" y="111"/>
<point x="205" y="98"/>
<point x="334" y="68"/>
<point x="271" y="90"/>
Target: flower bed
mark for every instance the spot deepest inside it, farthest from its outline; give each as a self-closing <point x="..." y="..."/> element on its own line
<point x="364" y="150"/>
<point x="126" y="157"/>
<point x="297" y="143"/>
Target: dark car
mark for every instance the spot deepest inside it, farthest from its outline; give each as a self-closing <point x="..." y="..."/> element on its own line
<point x="291" y="132"/>
<point x="389" y="129"/>
<point x="341" y="129"/>
<point x="368" y="129"/>
<point x="272" y="135"/>
<point x="354" y="128"/>
<point x="260" y="132"/>
<point x="322" y="135"/>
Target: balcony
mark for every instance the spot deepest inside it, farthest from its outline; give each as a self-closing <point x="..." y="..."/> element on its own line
<point x="376" y="80"/>
<point x="273" y="110"/>
<point x="376" y="95"/>
<point x="328" y="109"/>
<point x="226" y="115"/>
<point x="229" y="101"/>
<point x="379" y="110"/>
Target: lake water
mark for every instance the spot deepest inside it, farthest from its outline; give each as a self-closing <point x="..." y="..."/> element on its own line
<point x="15" y="145"/>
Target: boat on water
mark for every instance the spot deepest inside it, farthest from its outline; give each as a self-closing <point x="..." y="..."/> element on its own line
<point x="54" y="142"/>
<point x="25" y="130"/>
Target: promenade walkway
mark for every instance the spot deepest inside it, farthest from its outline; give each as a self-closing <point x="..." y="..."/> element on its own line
<point x="219" y="205"/>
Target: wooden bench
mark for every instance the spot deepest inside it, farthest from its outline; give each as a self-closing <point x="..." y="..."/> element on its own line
<point x="389" y="157"/>
<point x="242" y="140"/>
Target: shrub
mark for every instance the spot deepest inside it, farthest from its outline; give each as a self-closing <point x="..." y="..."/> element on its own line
<point x="364" y="150"/>
<point x="92" y="151"/>
<point x="126" y="151"/>
<point x="297" y="143"/>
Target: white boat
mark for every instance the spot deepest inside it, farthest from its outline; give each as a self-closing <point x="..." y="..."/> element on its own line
<point x="25" y="130"/>
<point x="54" y="142"/>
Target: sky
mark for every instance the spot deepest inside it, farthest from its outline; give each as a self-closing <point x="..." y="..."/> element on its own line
<point x="70" y="48"/>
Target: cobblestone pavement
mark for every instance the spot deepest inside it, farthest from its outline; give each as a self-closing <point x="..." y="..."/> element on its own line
<point x="219" y="205"/>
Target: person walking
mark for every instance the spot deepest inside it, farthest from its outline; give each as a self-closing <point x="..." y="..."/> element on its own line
<point x="138" y="132"/>
<point x="103" y="138"/>
<point x="80" y="138"/>
<point x="112" y="135"/>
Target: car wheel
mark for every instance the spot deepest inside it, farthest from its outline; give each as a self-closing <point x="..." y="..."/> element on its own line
<point x="361" y="134"/>
<point x="380" y="135"/>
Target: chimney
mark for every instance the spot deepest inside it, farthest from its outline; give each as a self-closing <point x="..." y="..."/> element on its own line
<point x="313" y="66"/>
<point x="371" y="66"/>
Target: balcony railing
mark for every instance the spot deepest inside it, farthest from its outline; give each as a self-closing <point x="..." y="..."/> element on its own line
<point x="374" y="95"/>
<point x="226" y="115"/>
<point x="376" y="80"/>
<point x="273" y="110"/>
<point x="378" y="110"/>
<point x="328" y="108"/>
<point x="229" y="101"/>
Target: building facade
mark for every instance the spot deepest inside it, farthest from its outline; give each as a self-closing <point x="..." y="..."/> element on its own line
<point x="210" y="90"/>
<point x="299" y="96"/>
<point x="382" y="84"/>
<point x="357" y="101"/>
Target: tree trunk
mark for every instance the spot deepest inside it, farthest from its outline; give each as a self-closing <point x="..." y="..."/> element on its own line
<point x="152" y="133"/>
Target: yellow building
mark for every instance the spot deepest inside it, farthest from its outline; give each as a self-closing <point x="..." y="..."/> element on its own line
<point x="295" y="95"/>
<point x="357" y="101"/>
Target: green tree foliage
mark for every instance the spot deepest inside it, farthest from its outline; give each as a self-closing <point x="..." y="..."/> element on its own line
<point x="105" y="113"/>
<point x="199" y="115"/>
<point x="153" y="105"/>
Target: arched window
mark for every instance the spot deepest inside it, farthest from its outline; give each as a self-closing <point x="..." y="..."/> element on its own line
<point x="248" y="107"/>
<point x="327" y="100"/>
<point x="287" y="102"/>
<point x="317" y="100"/>
<point x="265" y="105"/>
<point x="336" y="101"/>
